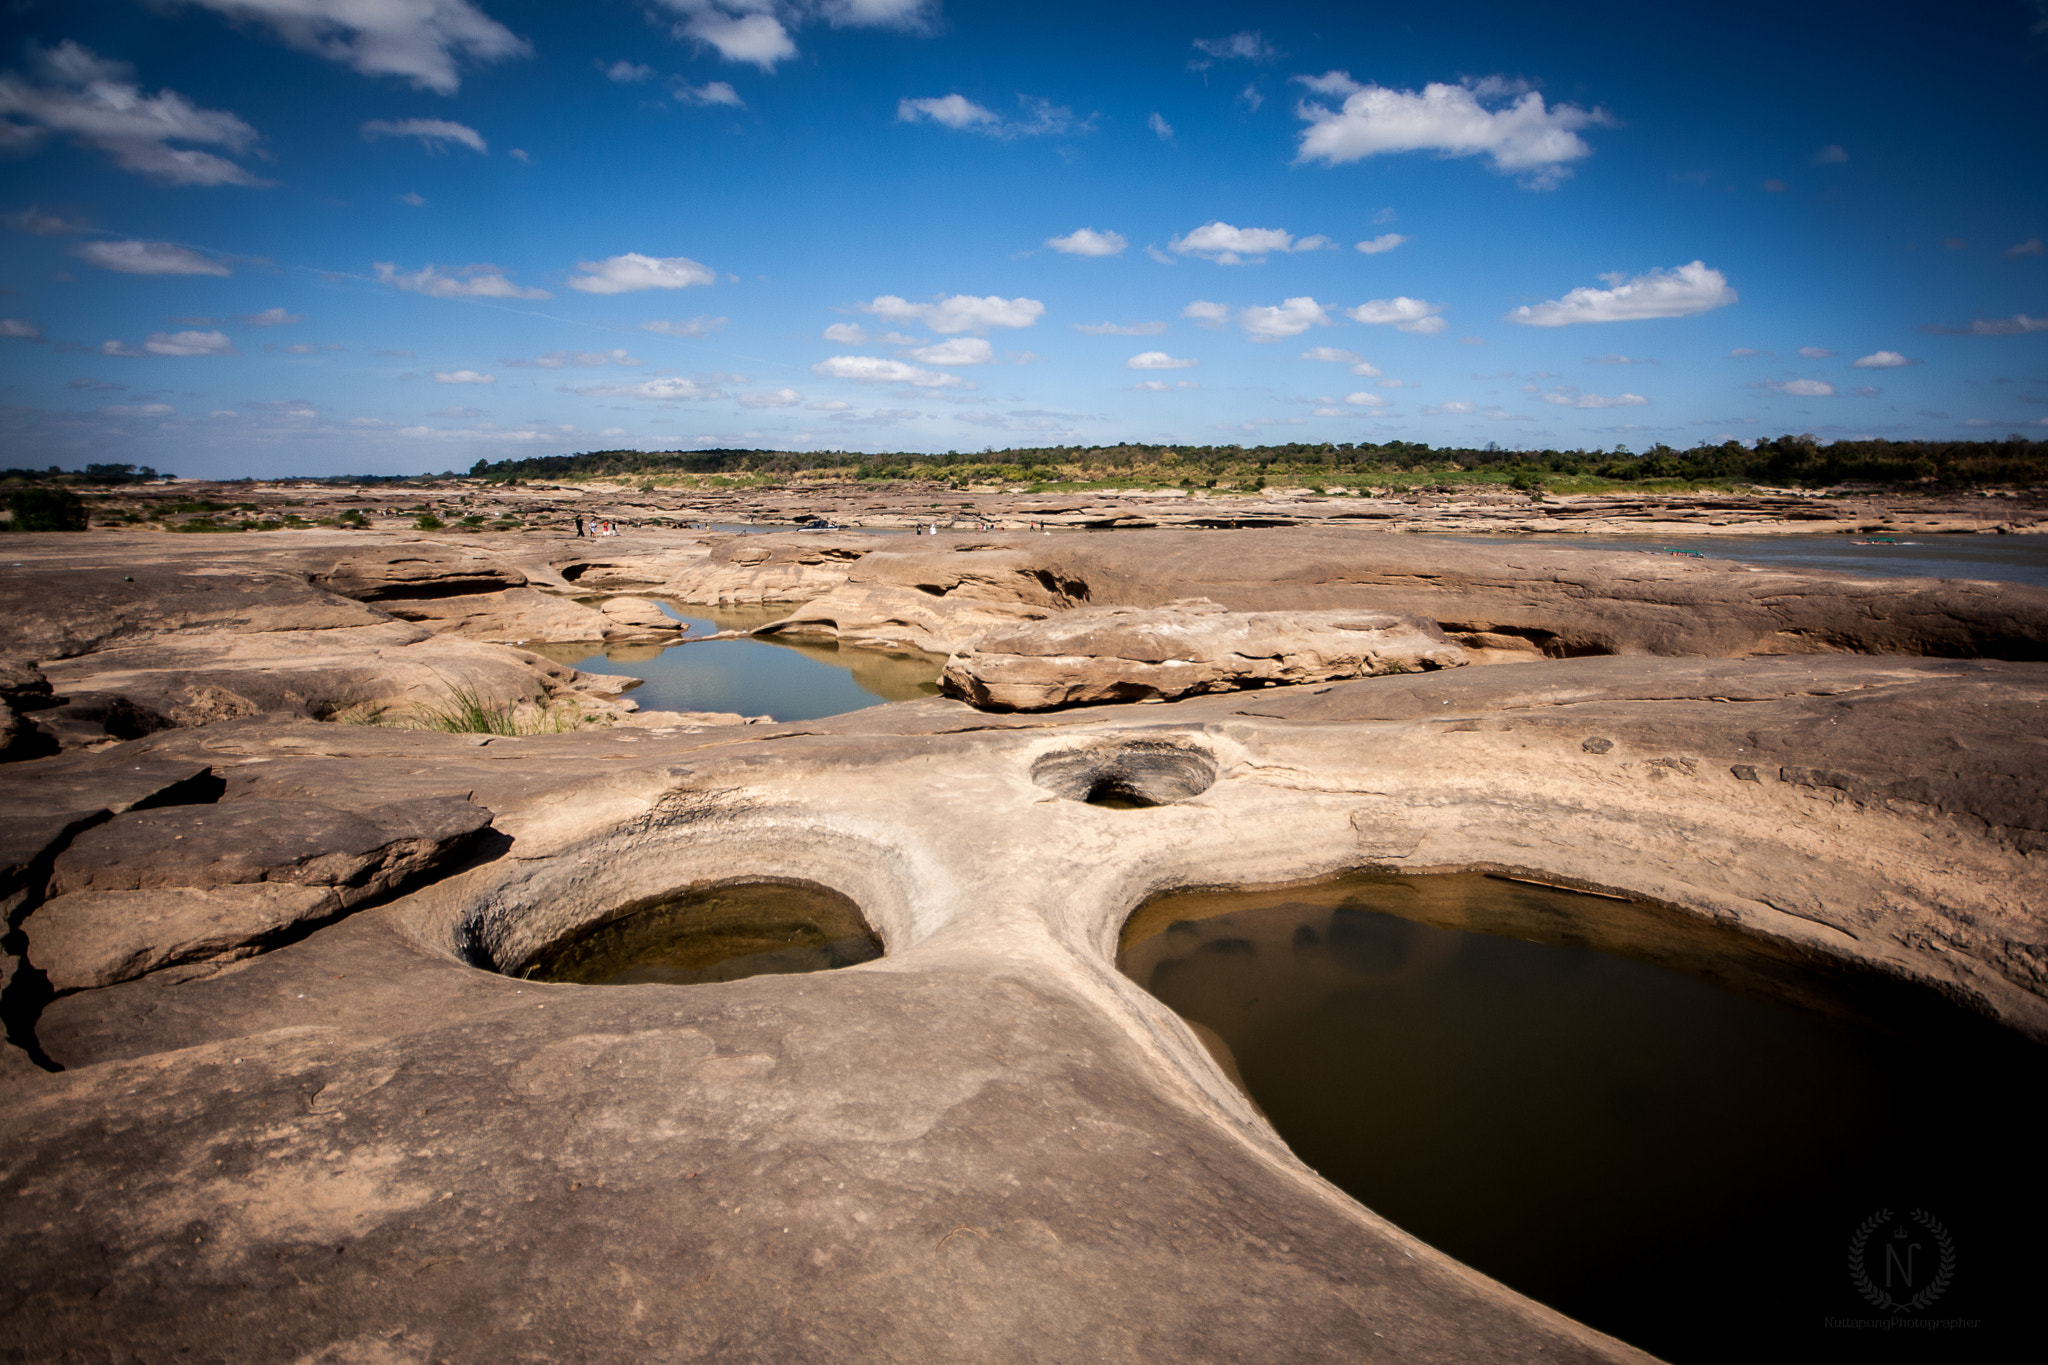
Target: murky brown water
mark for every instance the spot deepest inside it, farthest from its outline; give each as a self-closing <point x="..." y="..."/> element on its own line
<point x="1667" y="1130"/>
<point x="724" y="934"/>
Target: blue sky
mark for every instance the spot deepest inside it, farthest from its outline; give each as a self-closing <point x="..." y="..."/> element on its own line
<point x="311" y="236"/>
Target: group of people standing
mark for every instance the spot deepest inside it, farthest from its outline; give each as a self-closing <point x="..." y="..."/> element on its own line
<point x="596" y="528"/>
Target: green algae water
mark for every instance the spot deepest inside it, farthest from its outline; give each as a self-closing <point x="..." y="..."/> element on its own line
<point x="720" y="934"/>
<point x="1669" y="1131"/>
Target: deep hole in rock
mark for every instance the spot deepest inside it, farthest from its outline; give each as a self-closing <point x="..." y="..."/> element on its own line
<point x="1127" y="775"/>
<point x="1606" y="1104"/>
<point x="707" y="934"/>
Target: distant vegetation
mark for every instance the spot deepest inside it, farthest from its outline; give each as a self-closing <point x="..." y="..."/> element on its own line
<point x="1786" y="461"/>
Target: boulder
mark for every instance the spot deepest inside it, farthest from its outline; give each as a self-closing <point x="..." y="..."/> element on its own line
<point x="636" y="618"/>
<point x="98" y="938"/>
<point x="1124" y="654"/>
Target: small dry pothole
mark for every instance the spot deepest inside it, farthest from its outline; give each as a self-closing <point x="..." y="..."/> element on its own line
<point x="1128" y="774"/>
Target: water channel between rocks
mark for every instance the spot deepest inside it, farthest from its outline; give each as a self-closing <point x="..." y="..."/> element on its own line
<point x="1662" y="1128"/>
<point x="787" y="679"/>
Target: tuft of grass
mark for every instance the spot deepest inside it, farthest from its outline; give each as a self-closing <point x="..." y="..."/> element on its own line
<point x="466" y="711"/>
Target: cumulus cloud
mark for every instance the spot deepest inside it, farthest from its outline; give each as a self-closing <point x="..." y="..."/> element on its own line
<point x="33" y="220"/>
<point x="1523" y="136"/>
<point x="625" y="72"/>
<point x="868" y="369"/>
<point x="1338" y="83"/>
<point x="2015" y="325"/>
<point x="1815" y="352"/>
<point x="667" y="390"/>
<point x="1401" y="313"/>
<point x="690" y="327"/>
<point x="470" y="282"/>
<point x="20" y="329"/>
<point x="633" y="271"/>
<point x="2031" y="247"/>
<point x="1363" y="399"/>
<point x="1386" y="241"/>
<point x="1207" y="314"/>
<point x="583" y="360"/>
<point x="1041" y="117"/>
<point x="148" y="258"/>
<point x="1676" y="293"/>
<point x="1089" y="242"/>
<point x="711" y="92"/>
<point x="1799" y="388"/>
<point x="419" y="40"/>
<point x="434" y="134"/>
<point x="1227" y="245"/>
<point x="1158" y="124"/>
<point x="96" y="104"/>
<point x="738" y="30"/>
<point x="1881" y="360"/>
<point x="957" y="351"/>
<point x="270" y="317"/>
<point x="773" y="398"/>
<point x="1119" y="329"/>
<point x="463" y="377"/>
<point x="1336" y="356"/>
<point x="847" y="334"/>
<point x="1158" y="360"/>
<point x="1568" y="398"/>
<point x="1290" y="318"/>
<point x="956" y="313"/>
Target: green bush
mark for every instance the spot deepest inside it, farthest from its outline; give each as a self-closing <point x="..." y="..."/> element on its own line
<point x="46" y="509"/>
<point x="427" y="521"/>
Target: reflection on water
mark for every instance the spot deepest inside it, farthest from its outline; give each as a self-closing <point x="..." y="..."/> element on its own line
<point x="1662" y="1128"/>
<point x="724" y="934"/>
<point x="786" y="679"/>
<point x="2002" y="559"/>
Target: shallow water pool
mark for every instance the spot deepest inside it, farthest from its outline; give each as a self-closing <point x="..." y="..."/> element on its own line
<point x="1666" y="1130"/>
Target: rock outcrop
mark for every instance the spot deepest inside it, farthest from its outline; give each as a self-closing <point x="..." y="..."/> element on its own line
<point x="1158" y="653"/>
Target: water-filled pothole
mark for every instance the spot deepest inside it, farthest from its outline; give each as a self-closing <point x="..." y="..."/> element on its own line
<point x="710" y="934"/>
<point x="1127" y="774"/>
<point x="1665" y="1129"/>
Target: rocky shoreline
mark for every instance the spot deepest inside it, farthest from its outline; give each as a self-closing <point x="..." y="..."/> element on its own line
<point x="300" y="1107"/>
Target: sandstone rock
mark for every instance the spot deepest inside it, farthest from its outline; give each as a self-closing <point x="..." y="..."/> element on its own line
<point x="636" y="618"/>
<point x="23" y="686"/>
<point x="21" y="738"/>
<point x="61" y="611"/>
<point x="358" y="855"/>
<point x="416" y="572"/>
<point x="98" y="938"/>
<point x="785" y="567"/>
<point x="880" y="617"/>
<point x="513" y="616"/>
<point x="1126" y="654"/>
<point x="42" y="804"/>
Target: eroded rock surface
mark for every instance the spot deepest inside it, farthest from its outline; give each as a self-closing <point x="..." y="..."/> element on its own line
<point x="1132" y="654"/>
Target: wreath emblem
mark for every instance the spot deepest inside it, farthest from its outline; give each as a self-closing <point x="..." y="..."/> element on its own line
<point x="1859" y="1273"/>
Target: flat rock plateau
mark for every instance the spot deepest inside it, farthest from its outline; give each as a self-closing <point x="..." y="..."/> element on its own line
<point x="275" y="1092"/>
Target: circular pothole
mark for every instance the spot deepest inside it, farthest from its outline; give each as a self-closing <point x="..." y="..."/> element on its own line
<point x="1128" y="774"/>
<point x="707" y="934"/>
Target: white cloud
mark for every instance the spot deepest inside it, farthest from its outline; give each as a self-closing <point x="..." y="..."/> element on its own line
<point x="1158" y="124"/>
<point x="1336" y="356"/>
<point x="1386" y="241"/>
<point x="415" y="39"/>
<point x="1115" y="329"/>
<point x="1881" y="360"/>
<point x="463" y="377"/>
<point x="434" y="134"/>
<point x="2016" y="325"/>
<point x="1252" y="97"/>
<point x="625" y="72"/>
<point x="1401" y="313"/>
<point x="95" y="104"/>
<point x="562" y="360"/>
<point x="847" y="334"/>
<point x="1158" y="360"/>
<point x="1338" y="83"/>
<point x="1676" y="293"/>
<point x="1448" y="409"/>
<point x="1594" y="400"/>
<point x="828" y="405"/>
<point x="178" y="344"/>
<point x="1152" y="386"/>
<point x="20" y="329"/>
<point x="519" y="155"/>
<point x="1156" y="254"/>
<point x="633" y="271"/>
<point x="1744" y="353"/>
<point x="1089" y="242"/>
<point x="711" y="92"/>
<point x="2031" y="247"/>
<point x="1524" y="136"/>
<point x="868" y="369"/>
<point x="1815" y="352"/>
<point x="1227" y="245"/>
<point x="958" y="312"/>
<point x="1800" y="388"/>
<point x="738" y="30"/>
<point x="413" y="199"/>
<point x="1290" y="318"/>
<point x="33" y="220"/>
<point x="669" y="390"/>
<point x="148" y="258"/>
<point x="270" y="317"/>
<point x="692" y="327"/>
<point x="1830" y="155"/>
<point x="955" y="111"/>
<point x="139" y="410"/>
<point x="1250" y="46"/>
<point x="956" y="351"/>
<point x="1207" y="314"/>
<point x="470" y="282"/>
<point x="776" y="398"/>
